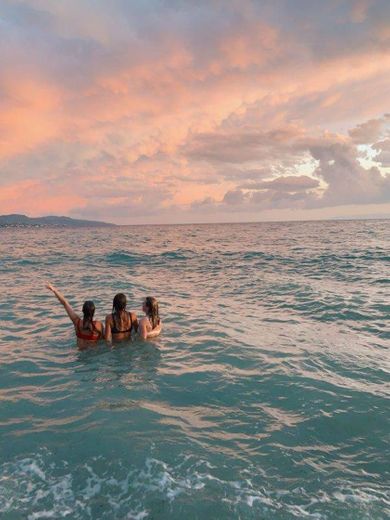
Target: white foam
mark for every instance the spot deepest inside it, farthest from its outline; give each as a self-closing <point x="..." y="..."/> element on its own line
<point x="137" y="516"/>
<point x="41" y="514"/>
<point x="31" y="466"/>
<point x="47" y="489"/>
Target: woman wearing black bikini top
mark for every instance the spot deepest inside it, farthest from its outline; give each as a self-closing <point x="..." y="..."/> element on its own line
<point x="120" y="323"/>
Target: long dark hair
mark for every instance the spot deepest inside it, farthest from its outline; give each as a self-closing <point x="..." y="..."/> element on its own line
<point x="88" y="312"/>
<point x="152" y="310"/>
<point x="118" y="307"/>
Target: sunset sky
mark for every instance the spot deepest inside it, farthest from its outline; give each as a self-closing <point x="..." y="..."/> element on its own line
<point x="195" y="111"/>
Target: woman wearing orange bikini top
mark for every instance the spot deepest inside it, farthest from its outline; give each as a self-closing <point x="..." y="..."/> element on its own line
<point x="88" y="332"/>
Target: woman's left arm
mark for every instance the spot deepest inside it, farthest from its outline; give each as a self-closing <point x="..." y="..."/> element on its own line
<point x="134" y="321"/>
<point x="143" y="328"/>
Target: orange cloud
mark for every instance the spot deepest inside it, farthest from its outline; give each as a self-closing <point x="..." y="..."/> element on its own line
<point x="30" y="114"/>
<point x="37" y="198"/>
<point x="121" y="96"/>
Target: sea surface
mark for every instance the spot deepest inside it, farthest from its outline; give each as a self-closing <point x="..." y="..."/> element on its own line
<point x="266" y="396"/>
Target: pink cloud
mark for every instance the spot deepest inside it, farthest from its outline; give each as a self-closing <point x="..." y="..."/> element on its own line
<point x="190" y="103"/>
<point x="38" y="197"/>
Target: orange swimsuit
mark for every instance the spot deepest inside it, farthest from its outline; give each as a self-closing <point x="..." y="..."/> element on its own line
<point x="89" y="337"/>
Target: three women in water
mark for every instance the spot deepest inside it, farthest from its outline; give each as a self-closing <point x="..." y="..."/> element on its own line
<point x="118" y="325"/>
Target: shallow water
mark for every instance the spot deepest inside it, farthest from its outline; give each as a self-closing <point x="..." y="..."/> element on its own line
<point x="266" y="397"/>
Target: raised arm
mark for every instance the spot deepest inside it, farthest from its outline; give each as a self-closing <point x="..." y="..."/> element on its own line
<point x="61" y="298"/>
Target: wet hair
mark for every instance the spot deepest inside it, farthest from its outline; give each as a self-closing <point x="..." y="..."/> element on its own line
<point x="118" y="306"/>
<point x="152" y="310"/>
<point x="88" y="312"/>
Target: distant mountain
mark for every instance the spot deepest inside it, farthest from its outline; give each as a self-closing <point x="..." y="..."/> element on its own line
<point x="23" y="220"/>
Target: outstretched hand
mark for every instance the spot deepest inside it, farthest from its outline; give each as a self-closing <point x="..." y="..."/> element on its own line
<point x="61" y="298"/>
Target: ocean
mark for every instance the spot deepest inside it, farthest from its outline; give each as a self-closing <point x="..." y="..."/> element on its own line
<point x="265" y="397"/>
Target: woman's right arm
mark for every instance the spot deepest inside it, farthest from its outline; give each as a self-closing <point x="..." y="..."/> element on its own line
<point x="67" y="306"/>
<point x="107" y="333"/>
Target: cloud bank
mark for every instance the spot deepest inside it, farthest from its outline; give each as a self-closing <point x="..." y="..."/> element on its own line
<point x="173" y="111"/>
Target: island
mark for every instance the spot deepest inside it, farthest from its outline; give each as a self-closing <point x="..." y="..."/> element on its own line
<point x="52" y="220"/>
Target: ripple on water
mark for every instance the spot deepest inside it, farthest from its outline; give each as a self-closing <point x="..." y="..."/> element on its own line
<point x="265" y="397"/>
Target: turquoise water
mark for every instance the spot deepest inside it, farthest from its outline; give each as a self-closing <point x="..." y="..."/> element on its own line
<point x="266" y="397"/>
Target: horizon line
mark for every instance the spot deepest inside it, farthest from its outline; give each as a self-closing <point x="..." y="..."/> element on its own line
<point x="329" y="219"/>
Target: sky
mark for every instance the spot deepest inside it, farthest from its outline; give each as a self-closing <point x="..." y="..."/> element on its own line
<point x="175" y="111"/>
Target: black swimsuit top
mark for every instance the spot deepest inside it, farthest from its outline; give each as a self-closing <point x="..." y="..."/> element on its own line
<point x="114" y="330"/>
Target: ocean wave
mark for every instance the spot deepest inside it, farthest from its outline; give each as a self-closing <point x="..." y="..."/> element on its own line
<point x="43" y="487"/>
<point x="127" y="258"/>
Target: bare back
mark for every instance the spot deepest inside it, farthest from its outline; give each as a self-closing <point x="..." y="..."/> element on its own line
<point x="119" y="328"/>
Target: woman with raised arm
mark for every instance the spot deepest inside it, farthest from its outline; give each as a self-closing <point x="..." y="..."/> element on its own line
<point x="150" y="325"/>
<point x="87" y="330"/>
<point x="120" y="323"/>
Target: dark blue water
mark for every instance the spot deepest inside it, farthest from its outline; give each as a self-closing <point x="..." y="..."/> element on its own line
<point x="266" y="396"/>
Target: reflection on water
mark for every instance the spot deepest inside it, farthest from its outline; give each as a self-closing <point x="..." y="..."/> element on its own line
<point x="130" y="363"/>
<point x="265" y="397"/>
